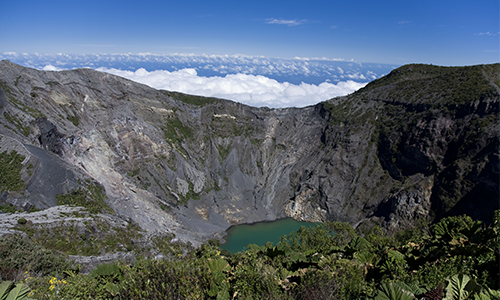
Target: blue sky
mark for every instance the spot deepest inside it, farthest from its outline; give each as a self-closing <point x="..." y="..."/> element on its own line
<point x="439" y="32"/>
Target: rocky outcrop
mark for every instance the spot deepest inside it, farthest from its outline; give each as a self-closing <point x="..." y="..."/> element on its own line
<point x="406" y="147"/>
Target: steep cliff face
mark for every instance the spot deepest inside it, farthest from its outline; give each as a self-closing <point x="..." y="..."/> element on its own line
<point x="421" y="142"/>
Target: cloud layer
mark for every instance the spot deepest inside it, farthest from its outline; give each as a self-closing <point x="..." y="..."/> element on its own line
<point x="254" y="90"/>
<point x="293" y="70"/>
<point x="256" y="81"/>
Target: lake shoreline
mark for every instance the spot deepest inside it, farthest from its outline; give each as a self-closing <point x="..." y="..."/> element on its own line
<point x="238" y="237"/>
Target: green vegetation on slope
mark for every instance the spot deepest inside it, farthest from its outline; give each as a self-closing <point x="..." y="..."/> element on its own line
<point x="10" y="168"/>
<point x="191" y="99"/>
<point x="96" y="238"/>
<point x="416" y="83"/>
<point x="92" y="198"/>
<point x="455" y="258"/>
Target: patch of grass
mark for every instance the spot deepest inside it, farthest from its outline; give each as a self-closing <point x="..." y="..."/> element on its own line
<point x="14" y="119"/>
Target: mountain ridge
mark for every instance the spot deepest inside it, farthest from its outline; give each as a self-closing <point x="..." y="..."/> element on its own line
<point x="408" y="146"/>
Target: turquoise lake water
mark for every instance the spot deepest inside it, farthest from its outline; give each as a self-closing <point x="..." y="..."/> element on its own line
<point x="240" y="236"/>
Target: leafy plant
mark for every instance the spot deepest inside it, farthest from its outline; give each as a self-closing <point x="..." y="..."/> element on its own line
<point x="220" y="284"/>
<point x="13" y="291"/>
<point x="107" y="272"/>
<point x="393" y="291"/>
<point x="460" y="287"/>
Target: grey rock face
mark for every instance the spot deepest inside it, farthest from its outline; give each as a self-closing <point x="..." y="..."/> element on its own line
<point x="195" y="166"/>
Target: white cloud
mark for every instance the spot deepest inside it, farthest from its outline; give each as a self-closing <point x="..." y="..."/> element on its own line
<point x="50" y="68"/>
<point x="489" y="33"/>
<point x="285" y="22"/>
<point x="254" y="90"/>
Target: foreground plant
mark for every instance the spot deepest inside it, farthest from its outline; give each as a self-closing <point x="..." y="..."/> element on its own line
<point x="14" y="291"/>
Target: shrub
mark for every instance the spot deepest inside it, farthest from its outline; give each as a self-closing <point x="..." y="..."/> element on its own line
<point x="19" y="254"/>
<point x="10" y="168"/>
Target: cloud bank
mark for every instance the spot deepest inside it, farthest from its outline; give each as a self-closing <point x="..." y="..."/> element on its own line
<point x="253" y="80"/>
<point x="254" y="90"/>
<point x="293" y="70"/>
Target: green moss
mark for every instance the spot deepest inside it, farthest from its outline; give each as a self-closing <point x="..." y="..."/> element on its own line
<point x="74" y="119"/>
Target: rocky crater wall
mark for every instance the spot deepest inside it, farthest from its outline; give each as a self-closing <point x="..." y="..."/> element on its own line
<point x="394" y="152"/>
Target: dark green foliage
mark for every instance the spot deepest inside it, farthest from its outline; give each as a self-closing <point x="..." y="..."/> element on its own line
<point x="8" y="208"/>
<point x="96" y="238"/>
<point x="154" y="279"/>
<point x="329" y="261"/>
<point x="92" y="198"/>
<point x="166" y="245"/>
<point x="107" y="273"/>
<point x="191" y="99"/>
<point x="10" y="168"/>
<point x="19" y="254"/>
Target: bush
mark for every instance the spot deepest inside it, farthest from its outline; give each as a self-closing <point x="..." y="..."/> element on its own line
<point x="10" y="168"/>
<point x="18" y="254"/>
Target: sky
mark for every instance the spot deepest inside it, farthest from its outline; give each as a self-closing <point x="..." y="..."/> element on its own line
<point x="443" y="32"/>
<point x="440" y="32"/>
